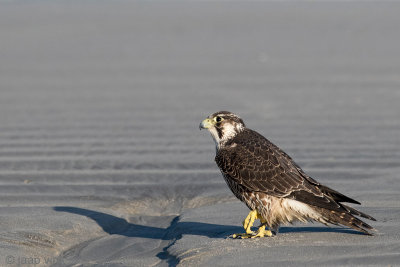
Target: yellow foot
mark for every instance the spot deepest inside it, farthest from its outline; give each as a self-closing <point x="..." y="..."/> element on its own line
<point x="262" y="232"/>
<point x="248" y="223"/>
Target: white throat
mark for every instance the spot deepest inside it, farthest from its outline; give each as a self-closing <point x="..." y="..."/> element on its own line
<point x="228" y="132"/>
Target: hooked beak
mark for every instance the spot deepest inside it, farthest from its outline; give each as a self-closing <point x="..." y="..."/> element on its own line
<point x="206" y="124"/>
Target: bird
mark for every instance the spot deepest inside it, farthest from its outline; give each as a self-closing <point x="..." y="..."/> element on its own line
<point x="275" y="189"/>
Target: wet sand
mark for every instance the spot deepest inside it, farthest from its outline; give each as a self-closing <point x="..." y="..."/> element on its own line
<point x="101" y="159"/>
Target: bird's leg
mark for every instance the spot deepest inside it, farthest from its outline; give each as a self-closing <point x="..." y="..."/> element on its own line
<point x="247" y="224"/>
<point x="249" y="221"/>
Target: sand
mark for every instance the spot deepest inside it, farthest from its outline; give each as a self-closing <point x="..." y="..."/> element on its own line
<point x="101" y="159"/>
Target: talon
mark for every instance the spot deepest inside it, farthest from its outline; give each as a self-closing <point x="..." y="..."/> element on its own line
<point x="242" y="236"/>
<point x="262" y="232"/>
<point x="248" y="223"/>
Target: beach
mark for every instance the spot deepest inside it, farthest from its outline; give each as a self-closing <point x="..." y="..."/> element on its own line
<point x="101" y="159"/>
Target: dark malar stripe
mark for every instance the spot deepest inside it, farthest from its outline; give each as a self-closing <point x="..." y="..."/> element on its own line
<point x="219" y="131"/>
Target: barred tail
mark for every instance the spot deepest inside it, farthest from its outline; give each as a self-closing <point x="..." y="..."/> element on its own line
<point x="347" y="218"/>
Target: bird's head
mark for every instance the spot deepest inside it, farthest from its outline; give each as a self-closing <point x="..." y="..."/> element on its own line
<point x="223" y="126"/>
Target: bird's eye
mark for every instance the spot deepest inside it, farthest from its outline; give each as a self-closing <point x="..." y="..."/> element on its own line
<point x="218" y="119"/>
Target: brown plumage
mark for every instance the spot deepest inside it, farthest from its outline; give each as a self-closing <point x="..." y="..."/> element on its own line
<point x="267" y="180"/>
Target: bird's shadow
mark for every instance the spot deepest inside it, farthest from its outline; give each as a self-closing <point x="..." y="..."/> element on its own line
<point x="118" y="226"/>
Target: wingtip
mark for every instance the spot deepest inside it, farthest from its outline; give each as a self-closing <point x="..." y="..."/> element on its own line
<point x="373" y="233"/>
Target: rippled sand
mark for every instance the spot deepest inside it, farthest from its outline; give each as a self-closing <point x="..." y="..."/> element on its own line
<point x="101" y="159"/>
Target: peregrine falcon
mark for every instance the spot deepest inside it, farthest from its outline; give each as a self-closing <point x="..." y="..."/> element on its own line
<point x="274" y="188"/>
